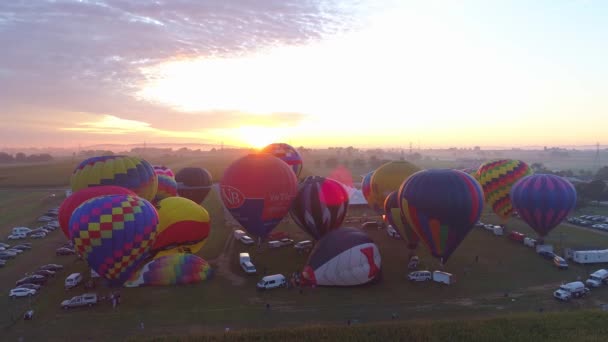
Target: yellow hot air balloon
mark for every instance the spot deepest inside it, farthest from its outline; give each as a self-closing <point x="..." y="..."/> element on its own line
<point x="388" y="178"/>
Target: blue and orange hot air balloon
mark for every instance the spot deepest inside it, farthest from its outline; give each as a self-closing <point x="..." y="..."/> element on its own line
<point x="174" y="269"/>
<point x="183" y="226"/>
<point x="287" y="154"/>
<point x="320" y="205"/>
<point x="128" y="172"/>
<point x="77" y="198"/>
<point x="543" y="201"/>
<point x="258" y="190"/>
<point x="114" y="234"/>
<point x="396" y="219"/>
<point x="441" y="206"/>
<point x="496" y="178"/>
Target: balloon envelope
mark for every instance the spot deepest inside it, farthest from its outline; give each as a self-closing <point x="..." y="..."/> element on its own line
<point x="258" y="190"/>
<point x="183" y="225"/>
<point x="396" y="219"/>
<point x="543" y="201"/>
<point x="163" y="170"/>
<point x="343" y="257"/>
<point x="366" y="186"/>
<point x="128" y="172"/>
<point x="441" y="206"/>
<point x="77" y="198"/>
<point x="114" y="234"/>
<point x="287" y="154"/>
<point x="388" y="178"/>
<point x="175" y="269"/>
<point x="320" y="205"/>
<point x="167" y="187"/>
<point x="193" y="183"/>
<point x="497" y="177"/>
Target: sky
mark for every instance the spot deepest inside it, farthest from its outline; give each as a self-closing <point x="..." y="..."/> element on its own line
<point x="315" y="73"/>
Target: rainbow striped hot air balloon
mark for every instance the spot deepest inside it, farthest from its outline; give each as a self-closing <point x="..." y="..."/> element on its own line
<point x="441" y="206"/>
<point x="132" y="173"/>
<point x="497" y="177"/>
<point x="114" y="234"/>
<point x="174" y="269"/>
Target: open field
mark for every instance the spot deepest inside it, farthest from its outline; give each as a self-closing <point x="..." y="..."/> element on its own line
<point x="230" y="298"/>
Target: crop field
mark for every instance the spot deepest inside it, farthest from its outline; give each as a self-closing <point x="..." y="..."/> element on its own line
<point x="495" y="276"/>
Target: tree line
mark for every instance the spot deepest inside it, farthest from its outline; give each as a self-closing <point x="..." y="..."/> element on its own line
<point x="21" y="157"/>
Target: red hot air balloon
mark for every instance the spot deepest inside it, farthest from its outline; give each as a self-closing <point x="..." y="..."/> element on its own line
<point x="258" y="190"/>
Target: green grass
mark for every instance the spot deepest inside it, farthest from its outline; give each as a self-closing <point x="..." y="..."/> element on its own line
<point x="54" y="174"/>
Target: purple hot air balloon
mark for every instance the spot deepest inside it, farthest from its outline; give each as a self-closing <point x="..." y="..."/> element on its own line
<point x="543" y="201"/>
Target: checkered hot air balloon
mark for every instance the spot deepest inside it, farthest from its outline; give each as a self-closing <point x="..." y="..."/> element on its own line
<point x="320" y="205"/>
<point x="132" y="173"/>
<point x="287" y="154"/>
<point x="114" y="234"/>
<point x="543" y="201"/>
<point x="441" y="206"/>
<point x="496" y="178"/>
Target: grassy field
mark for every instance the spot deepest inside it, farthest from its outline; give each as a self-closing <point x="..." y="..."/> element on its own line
<point x="508" y="278"/>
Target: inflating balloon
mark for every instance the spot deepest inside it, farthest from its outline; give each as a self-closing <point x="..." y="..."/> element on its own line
<point x="441" y="206"/>
<point x="132" y="173"/>
<point x="258" y="190"/>
<point x="543" y="201"/>
<point x="77" y="198"/>
<point x="388" y="178"/>
<point x="183" y="226"/>
<point x="193" y="183"/>
<point x="497" y="177"/>
<point x="320" y="205"/>
<point x="287" y="154"/>
<point x="396" y="219"/>
<point x="343" y="257"/>
<point x="175" y="269"/>
<point x="163" y="170"/>
<point x="114" y="234"/>
<point x="167" y="187"/>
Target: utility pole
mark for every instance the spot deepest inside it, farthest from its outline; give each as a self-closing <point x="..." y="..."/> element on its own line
<point x="596" y="159"/>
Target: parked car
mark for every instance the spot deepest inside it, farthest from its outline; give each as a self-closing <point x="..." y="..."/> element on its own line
<point x="271" y="282"/>
<point x="560" y="263"/>
<point x="562" y="295"/>
<point x="21" y="292"/>
<point x="547" y="255"/>
<point x="5" y="245"/>
<point x="65" y="251"/>
<point x="22" y="247"/>
<point x="17" y="236"/>
<point x="238" y="234"/>
<point x="286" y="242"/>
<point x="21" y="230"/>
<point x="247" y="240"/>
<point x="420" y="276"/>
<point x="45" y="218"/>
<point x="8" y="254"/>
<point x="73" y="280"/>
<point x="303" y="245"/>
<point x="517" y="236"/>
<point x="34" y="279"/>
<point x="45" y="273"/>
<point x="87" y="299"/>
<point x="2" y="262"/>
<point x="246" y="263"/>
<point x="31" y="286"/>
<point x="274" y="244"/>
<point x="38" y="235"/>
<point x="16" y="251"/>
<point x="52" y="267"/>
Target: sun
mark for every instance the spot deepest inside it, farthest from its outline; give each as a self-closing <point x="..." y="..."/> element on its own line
<point x="258" y="136"/>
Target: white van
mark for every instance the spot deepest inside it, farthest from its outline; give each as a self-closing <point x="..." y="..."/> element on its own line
<point x="597" y="278"/>
<point x="21" y="230"/>
<point x="420" y="276"/>
<point x="246" y="263"/>
<point x="443" y="277"/>
<point x="238" y="234"/>
<point x="73" y="280"/>
<point x="271" y="282"/>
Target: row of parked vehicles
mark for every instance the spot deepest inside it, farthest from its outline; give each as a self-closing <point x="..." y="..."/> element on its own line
<point x="593" y="221"/>
<point x="577" y="289"/>
<point x="30" y="284"/>
<point x="277" y="240"/>
<point x="8" y="252"/>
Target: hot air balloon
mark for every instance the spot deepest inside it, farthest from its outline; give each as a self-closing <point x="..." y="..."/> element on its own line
<point x="132" y="173"/>
<point x="258" y="190"/>
<point x="113" y="234"/>
<point x="77" y="198"/>
<point x="287" y="154"/>
<point x="320" y="205"/>
<point x="441" y="206"/>
<point x="366" y="186"/>
<point x="175" y="269"/>
<point x="167" y="187"/>
<point x="343" y="257"/>
<point x="543" y="201"/>
<point x="388" y="178"/>
<point x="163" y="170"/>
<point x="183" y="226"/>
<point x="396" y="219"/>
<point x="497" y="177"/>
<point x="193" y="183"/>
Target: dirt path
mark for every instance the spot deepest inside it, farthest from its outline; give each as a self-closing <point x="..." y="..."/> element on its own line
<point x="223" y="264"/>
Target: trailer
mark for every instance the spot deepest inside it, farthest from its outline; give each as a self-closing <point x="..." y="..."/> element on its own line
<point x="590" y="257"/>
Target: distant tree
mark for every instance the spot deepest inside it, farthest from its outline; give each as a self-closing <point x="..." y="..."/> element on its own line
<point x="582" y="197"/>
<point x="6" y="158"/>
<point x="595" y="190"/>
<point x="43" y="157"/>
<point x="331" y="162"/>
<point x="602" y="174"/>
<point x="539" y="168"/>
<point x="20" y="157"/>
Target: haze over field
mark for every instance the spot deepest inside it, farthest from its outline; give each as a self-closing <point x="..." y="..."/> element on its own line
<point x="313" y="73"/>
